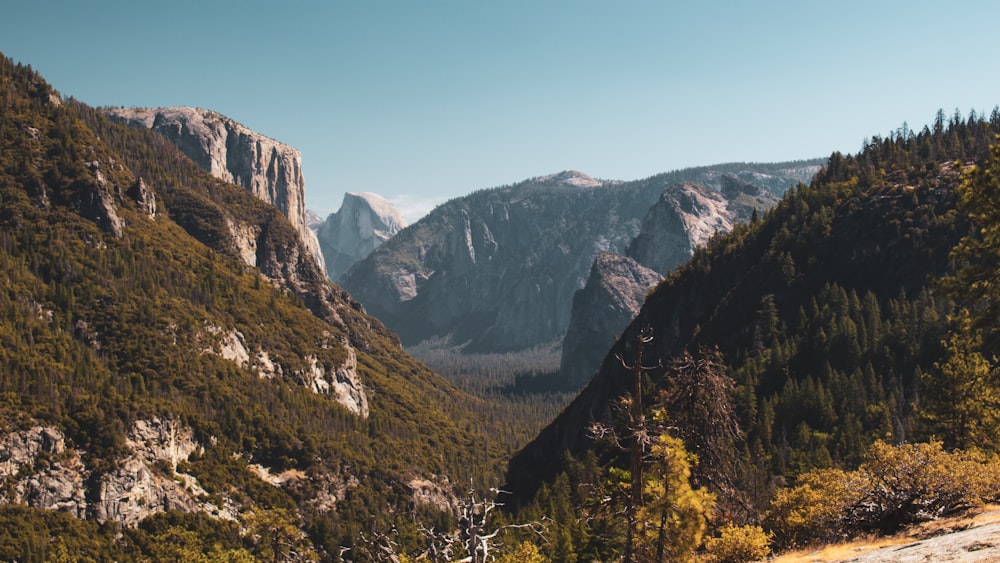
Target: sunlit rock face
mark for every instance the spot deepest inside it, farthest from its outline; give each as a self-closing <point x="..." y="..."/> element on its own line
<point x="271" y="170"/>
<point x="363" y="222"/>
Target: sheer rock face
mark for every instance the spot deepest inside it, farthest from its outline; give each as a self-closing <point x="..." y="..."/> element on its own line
<point x="614" y="293"/>
<point x="43" y="473"/>
<point x="272" y="171"/>
<point x="363" y="222"/>
<point x="98" y="200"/>
<point x="498" y="269"/>
<point x="683" y="219"/>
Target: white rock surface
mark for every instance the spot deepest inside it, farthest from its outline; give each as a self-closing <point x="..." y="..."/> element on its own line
<point x="363" y="222"/>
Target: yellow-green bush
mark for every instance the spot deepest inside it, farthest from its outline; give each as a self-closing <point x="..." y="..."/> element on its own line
<point x="894" y="487"/>
<point x="739" y="544"/>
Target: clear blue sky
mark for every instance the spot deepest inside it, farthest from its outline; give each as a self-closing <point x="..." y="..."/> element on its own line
<point x="424" y="100"/>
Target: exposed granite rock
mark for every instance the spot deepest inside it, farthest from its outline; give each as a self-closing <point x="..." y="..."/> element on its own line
<point x="346" y="385"/>
<point x="132" y="492"/>
<point x="59" y="486"/>
<point x="363" y="222"/>
<point x="144" y="198"/>
<point x="341" y="382"/>
<point x="497" y="269"/>
<point x="23" y="448"/>
<point x="42" y="472"/>
<point x="270" y="170"/>
<point x="683" y="219"/>
<point x="435" y="492"/>
<point x="159" y="439"/>
<point x="612" y="297"/>
<point x="97" y="201"/>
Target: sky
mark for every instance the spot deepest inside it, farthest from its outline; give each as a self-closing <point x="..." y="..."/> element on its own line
<point x="422" y="101"/>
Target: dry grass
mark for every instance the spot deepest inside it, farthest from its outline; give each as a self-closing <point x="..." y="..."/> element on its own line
<point x="850" y="550"/>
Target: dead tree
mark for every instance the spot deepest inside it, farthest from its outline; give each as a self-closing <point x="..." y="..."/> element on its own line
<point x="638" y="436"/>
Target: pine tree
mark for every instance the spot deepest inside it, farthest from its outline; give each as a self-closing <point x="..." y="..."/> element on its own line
<point x="962" y="396"/>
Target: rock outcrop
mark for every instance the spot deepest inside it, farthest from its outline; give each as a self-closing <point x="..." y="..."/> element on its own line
<point x="97" y="200"/>
<point x="272" y="171"/>
<point x="612" y="297"/>
<point x="683" y="219"/>
<point x="43" y="472"/>
<point x="363" y="222"/>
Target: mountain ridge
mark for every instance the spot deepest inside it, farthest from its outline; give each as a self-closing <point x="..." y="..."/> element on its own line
<point x="826" y="353"/>
<point x="497" y="269"/>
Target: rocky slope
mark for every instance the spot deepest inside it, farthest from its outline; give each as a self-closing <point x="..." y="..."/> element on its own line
<point x="363" y="222"/>
<point x="614" y="293"/>
<point x="498" y="269"/>
<point x="270" y="170"/>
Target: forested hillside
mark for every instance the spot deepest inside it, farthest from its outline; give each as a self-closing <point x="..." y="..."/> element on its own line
<point x="145" y="366"/>
<point x="828" y="320"/>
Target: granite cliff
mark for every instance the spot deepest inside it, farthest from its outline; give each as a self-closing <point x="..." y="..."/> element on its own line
<point x="270" y="170"/>
<point x="363" y="222"/>
<point x="169" y="344"/>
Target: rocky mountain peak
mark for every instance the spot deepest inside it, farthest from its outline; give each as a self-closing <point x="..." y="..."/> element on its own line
<point x="364" y="221"/>
<point x="684" y="218"/>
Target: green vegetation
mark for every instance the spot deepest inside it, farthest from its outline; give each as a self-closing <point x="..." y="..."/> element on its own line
<point x="842" y="323"/>
<point x="826" y="370"/>
<point x="98" y="331"/>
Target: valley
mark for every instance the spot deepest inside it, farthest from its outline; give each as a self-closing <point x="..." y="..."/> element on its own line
<point x="709" y="364"/>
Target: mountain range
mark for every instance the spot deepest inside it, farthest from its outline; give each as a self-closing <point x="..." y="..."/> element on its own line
<point x="826" y="313"/>
<point x="496" y="270"/>
<point x="180" y="379"/>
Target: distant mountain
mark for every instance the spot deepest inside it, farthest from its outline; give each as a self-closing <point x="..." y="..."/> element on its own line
<point x="228" y="150"/>
<point x="173" y="361"/>
<point x="363" y="222"/>
<point x="313" y="219"/>
<point x="824" y="313"/>
<point x="497" y="269"/>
